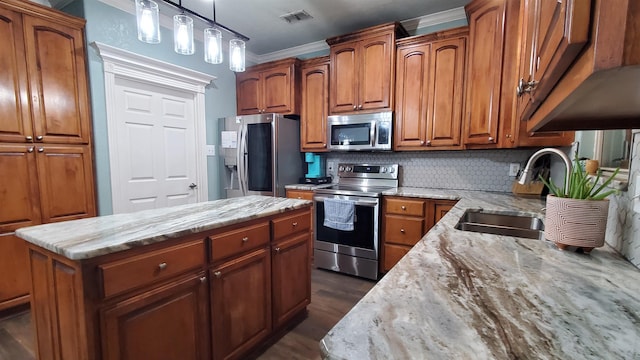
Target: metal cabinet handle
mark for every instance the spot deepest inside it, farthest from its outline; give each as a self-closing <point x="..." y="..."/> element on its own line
<point x="324" y="145"/>
<point x="39" y="137"/>
<point x="402" y="231"/>
<point x="30" y="150"/>
<point x="354" y="107"/>
<point x="217" y="274"/>
<point x="40" y="150"/>
<point x="192" y="186"/>
<point x="428" y="142"/>
<point x="421" y="142"/>
<point x="403" y="207"/>
<point x="245" y="239"/>
<point x="295" y="224"/>
<point x="360" y="106"/>
<point x="525" y="87"/>
<point x="491" y="139"/>
<point x="203" y="279"/>
<point x="277" y="250"/>
<point x="28" y="138"/>
<point x="162" y="265"/>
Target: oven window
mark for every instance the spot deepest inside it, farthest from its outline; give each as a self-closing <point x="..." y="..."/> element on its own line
<point x="353" y="134"/>
<point x="362" y="235"/>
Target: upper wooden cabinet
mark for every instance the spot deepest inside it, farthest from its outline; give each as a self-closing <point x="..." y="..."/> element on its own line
<point x="429" y="90"/>
<point x="315" y="104"/>
<point x="44" y="76"/>
<point x="582" y="58"/>
<point x="269" y="88"/>
<point x="362" y="69"/>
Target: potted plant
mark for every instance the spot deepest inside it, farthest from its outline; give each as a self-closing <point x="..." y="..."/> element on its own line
<point x="576" y="215"/>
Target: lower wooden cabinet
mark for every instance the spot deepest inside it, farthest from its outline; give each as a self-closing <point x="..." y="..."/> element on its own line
<point x="240" y="304"/>
<point x="168" y="322"/>
<point x="405" y="221"/>
<point x="15" y="283"/>
<point x="218" y="294"/>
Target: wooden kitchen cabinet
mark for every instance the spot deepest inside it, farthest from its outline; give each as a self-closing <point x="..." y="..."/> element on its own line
<point x="169" y="322"/>
<point x="362" y="69"/>
<point x="315" y="104"/>
<point x="272" y="87"/>
<point x="15" y="284"/>
<point x="210" y="294"/>
<point x="241" y="304"/>
<point x="587" y="75"/>
<point x="429" y="90"/>
<point x="405" y="221"/>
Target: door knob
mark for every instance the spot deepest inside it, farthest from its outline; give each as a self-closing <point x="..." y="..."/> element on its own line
<point x="193" y="186"/>
<point x="28" y="138"/>
<point x="40" y="150"/>
<point x="30" y="150"/>
<point x="39" y="137"/>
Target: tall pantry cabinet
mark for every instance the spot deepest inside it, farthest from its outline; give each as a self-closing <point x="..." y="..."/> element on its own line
<point x="46" y="161"/>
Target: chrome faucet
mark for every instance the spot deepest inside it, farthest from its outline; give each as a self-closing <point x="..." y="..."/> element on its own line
<point x="527" y="173"/>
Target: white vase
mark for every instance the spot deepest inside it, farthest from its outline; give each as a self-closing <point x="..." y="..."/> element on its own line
<point x="576" y="222"/>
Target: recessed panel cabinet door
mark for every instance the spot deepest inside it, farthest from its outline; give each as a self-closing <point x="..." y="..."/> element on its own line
<point x="15" y="121"/>
<point x="240" y="304"/>
<point x="412" y="96"/>
<point x="315" y="106"/>
<point x="344" y="78"/>
<point x="277" y="90"/>
<point x="14" y="264"/>
<point x="376" y="66"/>
<point x="66" y="182"/>
<point x="58" y="85"/>
<point x="169" y="322"/>
<point x="248" y="92"/>
<point x="291" y="277"/>
<point x="19" y="206"/>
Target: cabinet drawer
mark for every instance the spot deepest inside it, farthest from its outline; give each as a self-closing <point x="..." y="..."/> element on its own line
<point x="122" y="275"/>
<point x="285" y="226"/>
<point x="405" y="207"/>
<point x="393" y="254"/>
<point x="300" y="194"/>
<point x="403" y="230"/>
<point x="238" y="241"/>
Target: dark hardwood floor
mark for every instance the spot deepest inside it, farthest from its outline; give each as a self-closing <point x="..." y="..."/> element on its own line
<point x="332" y="296"/>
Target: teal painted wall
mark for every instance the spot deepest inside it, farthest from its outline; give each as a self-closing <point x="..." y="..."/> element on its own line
<point x="117" y="28"/>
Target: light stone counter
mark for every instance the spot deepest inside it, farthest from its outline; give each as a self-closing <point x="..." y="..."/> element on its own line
<point x="465" y="295"/>
<point x="91" y="237"/>
<point x="306" y="186"/>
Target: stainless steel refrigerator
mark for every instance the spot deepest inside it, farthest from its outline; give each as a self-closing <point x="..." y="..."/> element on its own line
<point x="261" y="154"/>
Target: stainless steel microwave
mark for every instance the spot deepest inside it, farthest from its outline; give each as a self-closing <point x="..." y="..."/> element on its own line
<point x="360" y="132"/>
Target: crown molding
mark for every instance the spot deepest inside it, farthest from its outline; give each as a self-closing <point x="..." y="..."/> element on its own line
<point x="294" y="51"/>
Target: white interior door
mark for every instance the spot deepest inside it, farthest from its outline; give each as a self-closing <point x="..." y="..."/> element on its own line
<point x="156" y="145"/>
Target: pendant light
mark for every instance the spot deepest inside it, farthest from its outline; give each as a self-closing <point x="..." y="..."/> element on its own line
<point x="183" y="34"/>
<point x="236" y="55"/>
<point x="148" y="21"/>
<point x="213" y="42"/>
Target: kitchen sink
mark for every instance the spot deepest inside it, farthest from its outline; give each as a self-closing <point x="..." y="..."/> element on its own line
<point x="508" y="224"/>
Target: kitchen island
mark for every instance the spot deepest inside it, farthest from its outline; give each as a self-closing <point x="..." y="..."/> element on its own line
<point x="467" y="295"/>
<point x="216" y="279"/>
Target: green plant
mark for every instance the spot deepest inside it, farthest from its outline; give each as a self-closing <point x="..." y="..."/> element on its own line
<point x="581" y="186"/>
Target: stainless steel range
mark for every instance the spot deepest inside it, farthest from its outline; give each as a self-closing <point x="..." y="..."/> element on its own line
<point x="356" y="251"/>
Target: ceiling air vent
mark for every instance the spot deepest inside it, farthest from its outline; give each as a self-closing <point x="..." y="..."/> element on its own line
<point x="296" y="16"/>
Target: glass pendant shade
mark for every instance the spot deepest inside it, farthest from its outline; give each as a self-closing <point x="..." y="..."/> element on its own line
<point x="148" y="21"/>
<point x="183" y="35"/>
<point x="236" y="55"/>
<point x="213" y="46"/>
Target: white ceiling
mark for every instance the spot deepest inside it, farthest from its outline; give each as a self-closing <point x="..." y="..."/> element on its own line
<point x="260" y="19"/>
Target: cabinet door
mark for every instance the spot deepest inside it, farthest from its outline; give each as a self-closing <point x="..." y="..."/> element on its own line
<point x="277" y="94"/>
<point x="315" y="108"/>
<point x="412" y="86"/>
<point x="441" y="209"/>
<point x="15" y="121"/>
<point x="344" y="78"/>
<point x="291" y="277"/>
<point x="14" y="288"/>
<point x="240" y="304"/>
<point x="66" y="182"/>
<point x="444" y="116"/>
<point x="248" y="92"/>
<point x="375" y="67"/>
<point x="58" y="82"/>
<point x="392" y="254"/>
<point x="484" y="75"/>
<point x="169" y="322"/>
<point x="560" y="30"/>
<point x="18" y="188"/>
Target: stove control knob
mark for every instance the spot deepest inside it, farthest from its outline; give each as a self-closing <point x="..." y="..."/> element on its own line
<point x="383" y="169"/>
<point x="341" y="168"/>
<point x="349" y="168"/>
<point x="392" y="170"/>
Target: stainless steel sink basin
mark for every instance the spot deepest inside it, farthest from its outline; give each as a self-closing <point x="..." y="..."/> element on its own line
<point x="525" y="226"/>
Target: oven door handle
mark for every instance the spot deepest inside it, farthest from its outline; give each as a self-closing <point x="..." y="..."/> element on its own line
<point x="356" y="202"/>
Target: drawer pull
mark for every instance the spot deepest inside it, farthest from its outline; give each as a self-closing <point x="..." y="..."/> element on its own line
<point x="162" y="265"/>
<point x="295" y="224"/>
<point x="403" y="207"/>
<point x="245" y="239"/>
<point x="402" y="231"/>
<point x="203" y="279"/>
<point x="217" y="274"/>
<point x="277" y="250"/>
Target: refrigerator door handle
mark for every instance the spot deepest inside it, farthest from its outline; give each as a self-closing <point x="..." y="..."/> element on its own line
<point x="242" y="160"/>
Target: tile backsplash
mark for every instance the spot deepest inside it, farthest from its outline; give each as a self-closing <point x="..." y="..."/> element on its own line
<point x="486" y="170"/>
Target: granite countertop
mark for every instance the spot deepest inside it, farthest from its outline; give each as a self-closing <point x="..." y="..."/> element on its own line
<point x="306" y="186"/>
<point x="91" y="237"/>
<point x="465" y="295"/>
